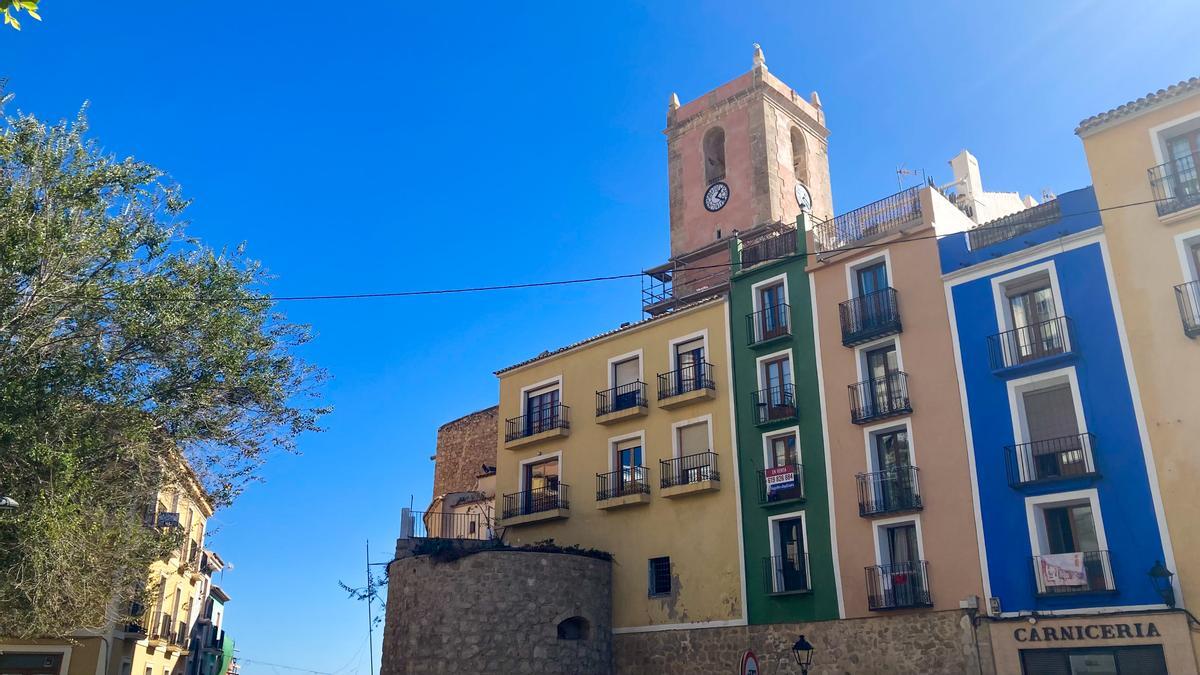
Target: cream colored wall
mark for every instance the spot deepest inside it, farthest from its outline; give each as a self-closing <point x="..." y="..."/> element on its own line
<point x="698" y="531"/>
<point x="1146" y="267"/>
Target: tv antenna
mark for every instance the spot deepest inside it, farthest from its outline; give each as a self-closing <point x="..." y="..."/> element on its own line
<point x="902" y="171"/>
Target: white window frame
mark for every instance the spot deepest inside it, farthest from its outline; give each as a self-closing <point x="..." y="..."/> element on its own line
<point x="773" y="536"/>
<point x="754" y="288"/>
<point x="613" y="441"/>
<point x="769" y="436"/>
<point x="1036" y="505"/>
<point x="675" y="426"/>
<point x="1016" y="400"/>
<point x="65" y="650"/>
<point x="869" y="434"/>
<point x="758" y="365"/>
<point x="672" y="361"/>
<point x="860" y="354"/>
<point x="1184" y="241"/>
<point x="879" y="526"/>
<point x="621" y="358"/>
<point x="852" y="270"/>
<point x="1001" y="282"/>
<point x="547" y="384"/>
<point x="540" y="457"/>
<point x="1158" y="137"/>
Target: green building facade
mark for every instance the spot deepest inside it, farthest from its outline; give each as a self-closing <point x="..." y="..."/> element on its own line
<point x="786" y="522"/>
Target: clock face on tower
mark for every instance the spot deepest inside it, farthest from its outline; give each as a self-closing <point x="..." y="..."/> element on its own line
<point x="716" y="196"/>
<point x="803" y="198"/>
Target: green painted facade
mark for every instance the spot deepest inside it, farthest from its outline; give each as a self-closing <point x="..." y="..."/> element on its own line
<point x="764" y="605"/>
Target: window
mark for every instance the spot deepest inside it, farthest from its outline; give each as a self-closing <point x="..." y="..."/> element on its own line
<point x="541" y="486"/>
<point x="1068" y="544"/>
<point x="629" y="463"/>
<point x="542" y="410"/>
<point x="660" y="576"/>
<point x="574" y="628"/>
<point x="626" y="376"/>
<point x="1142" y="660"/>
<point x="871" y="278"/>
<point x="1194" y="257"/>
<point x="31" y="664"/>
<point x="714" y="155"/>
<point x="1032" y="315"/>
<point x="1055" y="447"/>
<point x="884" y="392"/>
<point x="892" y="484"/>
<point x="693" y="438"/>
<point x="781" y="450"/>
<point x="799" y="156"/>
<point x="689" y="364"/>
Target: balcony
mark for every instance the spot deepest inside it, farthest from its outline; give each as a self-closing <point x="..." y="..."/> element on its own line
<point x="1030" y="346"/>
<point x="548" y="421"/>
<point x="1014" y="225"/>
<point x="1176" y="185"/>
<point x="625" y="486"/>
<point x="162" y="627"/>
<point x="869" y="317"/>
<point x="1070" y="573"/>
<point x="685" y="385"/>
<point x="1053" y="459"/>
<point x="623" y="402"/>
<point x="776" y="244"/>
<point x="1188" y="297"/>
<point x="774" y="404"/>
<point x="181" y="638"/>
<point x="786" y="574"/>
<point x="768" y="325"/>
<point x="877" y="219"/>
<point x="530" y="506"/>
<point x="898" y="586"/>
<point x="689" y="474"/>
<point x="880" y="398"/>
<point x="781" y="485"/>
<point x="892" y="491"/>
<point x="443" y="525"/>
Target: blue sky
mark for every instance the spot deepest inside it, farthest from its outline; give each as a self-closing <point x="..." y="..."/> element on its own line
<point x="385" y="146"/>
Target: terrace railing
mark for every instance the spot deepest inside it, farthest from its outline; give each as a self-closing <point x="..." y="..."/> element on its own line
<point x="768" y="324"/>
<point x="1176" y="184"/>
<point x="1080" y="572"/>
<point x="870" y="316"/>
<point x="629" y="480"/>
<point x="1051" y="459"/>
<point x="688" y="469"/>
<point x="624" y="397"/>
<point x="1020" y="346"/>
<point x="898" y="585"/>
<point x="879" y="398"/>
<point x="868" y="222"/>
<point x="786" y="574"/>
<point x="536" y="500"/>
<point x="542" y="418"/>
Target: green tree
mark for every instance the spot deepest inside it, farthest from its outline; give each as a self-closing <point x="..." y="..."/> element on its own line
<point x="11" y="8"/>
<point x="124" y="344"/>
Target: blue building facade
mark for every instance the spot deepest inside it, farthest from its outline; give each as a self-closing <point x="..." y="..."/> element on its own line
<point x="1069" y="519"/>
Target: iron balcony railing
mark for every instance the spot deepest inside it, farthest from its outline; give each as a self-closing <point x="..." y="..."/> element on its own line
<point x="624" y="397"/>
<point x="786" y="574"/>
<point x="684" y="380"/>
<point x="870" y="316"/>
<point x="1176" y="184"/>
<point x="1050" y="459"/>
<point x="773" y="247"/>
<point x="443" y="525"/>
<point x="768" y="324"/>
<point x="880" y="398"/>
<point x="1066" y="573"/>
<point x="868" y="222"/>
<point x="898" y="585"/>
<point x="1014" y="225"/>
<point x="137" y="623"/>
<point x="774" y="404"/>
<point x="1019" y="346"/>
<point x="780" y="484"/>
<point x="539" y="419"/>
<point x="537" y="500"/>
<point x="1188" y="297"/>
<point x="161" y="626"/>
<point x="688" y="469"/>
<point x="890" y="491"/>
<point x="629" y="480"/>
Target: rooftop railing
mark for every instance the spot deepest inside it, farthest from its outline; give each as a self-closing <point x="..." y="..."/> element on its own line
<point x="443" y="525"/>
<point x="1176" y="184"/>
<point x="776" y="245"/>
<point x="1014" y="225"/>
<point x="874" y="220"/>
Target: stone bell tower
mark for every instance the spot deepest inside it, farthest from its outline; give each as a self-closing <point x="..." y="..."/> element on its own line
<point x="736" y="155"/>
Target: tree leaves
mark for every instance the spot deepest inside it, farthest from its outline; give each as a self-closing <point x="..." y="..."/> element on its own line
<point x="10" y="8"/>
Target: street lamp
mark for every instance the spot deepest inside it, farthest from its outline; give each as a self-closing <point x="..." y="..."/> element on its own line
<point x="1160" y="576"/>
<point x="8" y="504"/>
<point x="803" y="652"/>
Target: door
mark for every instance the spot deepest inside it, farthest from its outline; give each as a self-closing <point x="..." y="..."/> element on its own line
<point x="870" y="280"/>
<point x="1035" y="333"/>
<point x="689" y="364"/>
<point x="894" y="489"/>
<point x="773" y="316"/>
<point x="783" y="451"/>
<point x="1054" y="449"/>
<point x="629" y="461"/>
<point x="541" y="486"/>
<point x="1071" y="529"/>
<point x="777" y="375"/>
<point x="627" y="392"/>
<point x="1183" y="150"/>
<point x="882" y="393"/>
<point x="541" y="411"/>
<point x="903" y="574"/>
<point x="791" y="572"/>
<point x="694" y="462"/>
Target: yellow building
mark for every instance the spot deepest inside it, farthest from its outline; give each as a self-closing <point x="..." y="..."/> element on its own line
<point x="647" y="473"/>
<point x="158" y="644"/>
<point x="1144" y="157"/>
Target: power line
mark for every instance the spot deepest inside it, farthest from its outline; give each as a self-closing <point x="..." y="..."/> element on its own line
<point x="279" y="665"/>
<point x="560" y="282"/>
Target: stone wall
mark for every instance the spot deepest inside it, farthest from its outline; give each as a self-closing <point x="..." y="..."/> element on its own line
<point x="927" y="643"/>
<point x="463" y="447"/>
<point x="497" y="612"/>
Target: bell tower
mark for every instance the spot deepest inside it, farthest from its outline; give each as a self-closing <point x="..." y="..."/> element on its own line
<point x="736" y="156"/>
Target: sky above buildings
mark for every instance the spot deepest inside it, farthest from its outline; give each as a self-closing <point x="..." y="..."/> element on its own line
<point x="387" y="146"/>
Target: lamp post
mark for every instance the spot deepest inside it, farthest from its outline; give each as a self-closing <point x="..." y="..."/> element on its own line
<point x="803" y="651"/>
<point x="1160" y="576"/>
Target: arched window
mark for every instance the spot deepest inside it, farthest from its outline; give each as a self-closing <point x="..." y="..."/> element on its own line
<point x="574" y="628"/>
<point x="714" y="155"/>
<point x="799" y="156"/>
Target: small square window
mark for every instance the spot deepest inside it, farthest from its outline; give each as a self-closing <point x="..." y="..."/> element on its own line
<point x="660" y="576"/>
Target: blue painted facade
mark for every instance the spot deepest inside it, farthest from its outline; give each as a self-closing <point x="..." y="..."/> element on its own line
<point x="1014" y="488"/>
